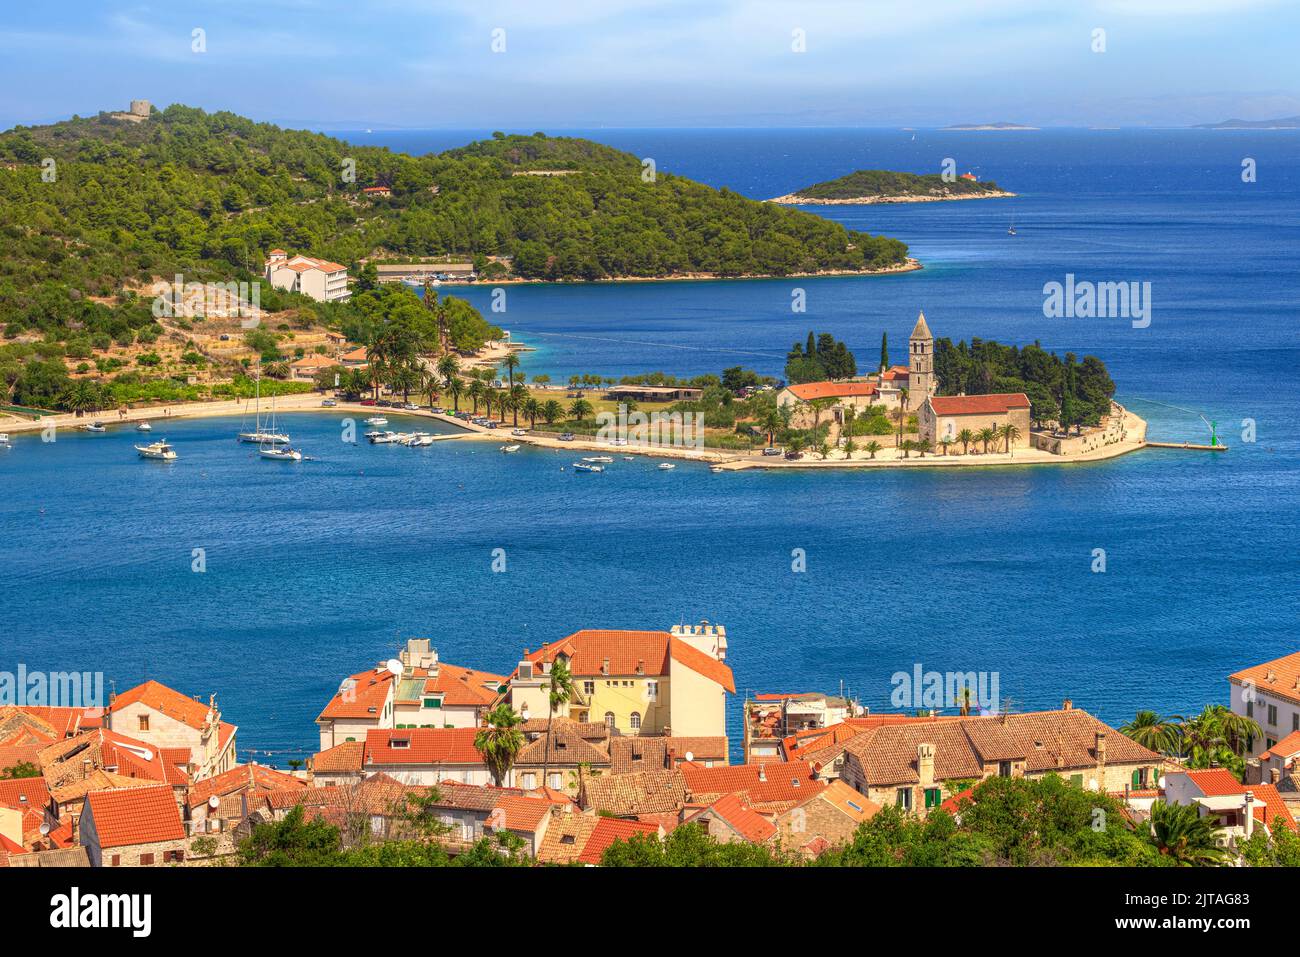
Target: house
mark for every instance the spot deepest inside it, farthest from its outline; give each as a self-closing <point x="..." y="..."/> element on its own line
<point x="103" y="760"/>
<point x="341" y="764"/>
<point x="583" y="839"/>
<point x="320" y="279"/>
<point x="426" y="756"/>
<point x="911" y="765"/>
<point x="157" y="715"/>
<point x="1238" y="809"/>
<point x="357" y="358"/>
<point x="376" y="191"/>
<point x="363" y="702"/>
<point x="562" y="759"/>
<point x="799" y="398"/>
<point x="730" y="818"/>
<point x="434" y="694"/>
<point x="640" y="793"/>
<point x="771" y="787"/>
<point x="946" y="417"/>
<point x="638" y="682"/>
<point x="308" y="367"/>
<point x="136" y="827"/>
<point x="1279" y="765"/>
<point x="1269" y="693"/>
<point x="217" y="803"/>
<point x="653" y="393"/>
<point x="643" y="753"/>
<point x="770" y="717"/>
<point x="823" y="820"/>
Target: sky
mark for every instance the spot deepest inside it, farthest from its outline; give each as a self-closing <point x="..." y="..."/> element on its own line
<point x="582" y="64"/>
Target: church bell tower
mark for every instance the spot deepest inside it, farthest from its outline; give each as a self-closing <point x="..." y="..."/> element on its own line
<point x="920" y="365"/>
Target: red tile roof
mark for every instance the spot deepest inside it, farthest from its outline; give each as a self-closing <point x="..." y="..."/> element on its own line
<point x="423" y="746"/>
<point x="807" y="391"/>
<point x="464" y="686"/>
<point x="1280" y="677"/>
<point x="24" y="792"/>
<point x="348" y="756"/>
<point x="1288" y="747"/>
<point x="520" y="813"/>
<point x="1218" y="782"/>
<point x="626" y="651"/>
<point x="772" y="782"/>
<point x="743" y="819"/>
<point x="242" y="778"/>
<point x="993" y="404"/>
<point x="608" y="830"/>
<point x="360" y="696"/>
<point x="134" y="816"/>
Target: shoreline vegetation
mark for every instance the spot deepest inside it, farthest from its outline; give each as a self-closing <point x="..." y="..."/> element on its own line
<point x="870" y="186"/>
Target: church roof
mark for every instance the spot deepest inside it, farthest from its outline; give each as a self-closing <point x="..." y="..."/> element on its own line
<point x="921" y="330"/>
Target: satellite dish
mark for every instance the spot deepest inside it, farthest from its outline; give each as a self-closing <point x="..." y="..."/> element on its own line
<point x="45" y="828"/>
<point x="395" y="667"/>
<point x="690" y="756"/>
<point x="214" y="802"/>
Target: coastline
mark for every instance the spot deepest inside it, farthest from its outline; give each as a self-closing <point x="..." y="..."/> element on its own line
<point x="727" y="460"/>
<point x="794" y="199"/>
<point x="909" y="265"/>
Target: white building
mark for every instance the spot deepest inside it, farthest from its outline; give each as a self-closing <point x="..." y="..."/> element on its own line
<point x="1269" y="693"/>
<point x="1237" y="809"/>
<point x="324" y="281"/>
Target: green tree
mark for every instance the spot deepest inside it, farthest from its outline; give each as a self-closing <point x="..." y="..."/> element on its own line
<point x="500" y="740"/>
<point x="1152" y="732"/>
<point x="559" y="692"/>
<point x="1179" y="832"/>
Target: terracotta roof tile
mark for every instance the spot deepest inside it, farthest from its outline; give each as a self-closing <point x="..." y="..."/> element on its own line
<point x="992" y="404"/>
<point x="807" y="391"/>
<point x="422" y="746"/>
<point x="607" y="831"/>
<point x="360" y="696"/>
<point x="1279" y="677"/>
<point x="641" y="792"/>
<point x="743" y="819"/>
<point x="348" y="756"/>
<point x="135" y="816"/>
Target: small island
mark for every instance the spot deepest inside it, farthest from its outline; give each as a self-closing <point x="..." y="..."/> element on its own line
<point x="975" y="127"/>
<point x="867" y="186"/>
<point x="1282" y="123"/>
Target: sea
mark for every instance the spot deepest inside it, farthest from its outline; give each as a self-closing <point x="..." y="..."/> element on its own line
<point x="1137" y="583"/>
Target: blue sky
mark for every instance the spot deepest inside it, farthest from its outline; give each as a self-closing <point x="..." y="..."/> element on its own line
<point x="657" y="63"/>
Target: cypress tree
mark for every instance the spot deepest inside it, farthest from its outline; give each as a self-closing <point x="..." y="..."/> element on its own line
<point x="884" y="350"/>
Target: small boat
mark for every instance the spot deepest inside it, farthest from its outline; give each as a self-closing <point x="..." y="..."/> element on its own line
<point x="376" y="420"/>
<point x="384" y="438"/>
<point x="666" y="466"/>
<point x="629" y="458"/>
<point x="95" y="427"/>
<point x="510" y="448"/>
<point x="4" y="440"/>
<point x="278" y="454"/>
<point x="264" y="438"/>
<point x="715" y="469"/>
<point x="157" y="450"/>
<point x="144" y="427"/>
<point x="1011" y="230"/>
<point x="262" y="434"/>
<point x="584" y="467"/>
<point x="598" y="459"/>
<point x="418" y="440"/>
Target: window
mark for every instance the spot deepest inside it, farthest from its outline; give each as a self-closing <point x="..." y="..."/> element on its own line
<point x="1138" y="775"/>
<point x="530" y="781"/>
<point x="566" y="839"/>
<point x="1272" y="714"/>
<point x="398" y="744"/>
<point x="433" y="702"/>
<point x="115" y="861"/>
<point x="609" y="722"/>
<point x="555" y="780"/>
<point x="1004" y="769"/>
<point x="904" y="798"/>
<point x="589" y="688"/>
<point x="652" y="690"/>
<point x="636" y="721"/>
<point x="1295" y="721"/>
<point x="933" y="797"/>
<point x="1250" y="709"/>
<point x="146" y="860"/>
<point x="176" y="856"/>
<point x="144" y="722"/>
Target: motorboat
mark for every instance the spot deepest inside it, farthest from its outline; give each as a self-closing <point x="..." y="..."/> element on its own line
<point x="376" y="420"/>
<point x="585" y="467"/>
<point x="95" y="427"/>
<point x="418" y="440"/>
<point x="598" y="459"/>
<point x="715" y="469"/>
<point x="144" y="427"/>
<point x="159" y="450"/>
<point x="666" y="466"/>
<point x="4" y="440"/>
<point x="383" y="438"/>
<point x="510" y="448"/>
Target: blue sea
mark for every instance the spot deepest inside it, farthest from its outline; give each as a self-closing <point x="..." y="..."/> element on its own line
<point x="317" y="570"/>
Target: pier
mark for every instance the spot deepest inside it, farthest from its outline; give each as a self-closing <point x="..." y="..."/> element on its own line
<point x="1187" y="446"/>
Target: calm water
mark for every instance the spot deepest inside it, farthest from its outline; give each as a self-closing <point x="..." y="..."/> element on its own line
<point x="315" y="570"/>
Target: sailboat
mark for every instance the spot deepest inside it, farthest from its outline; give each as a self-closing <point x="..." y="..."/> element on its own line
<point x="276" y="445"/>
<point x="1011" y="230"/>
<point x="260" y="435"/>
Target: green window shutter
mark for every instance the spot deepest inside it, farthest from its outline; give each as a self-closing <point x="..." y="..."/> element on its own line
<point x="1137" y="778"/>
<point x="1076" y="780"/>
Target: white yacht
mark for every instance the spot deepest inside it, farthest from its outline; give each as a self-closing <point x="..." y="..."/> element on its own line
<point x="384" y="438"/>
<point x="4" y="440"/>
<point x="376" y="420"/>
<point x="598" y="459"/>
<point x="584" y="467"/>
<point x="95" y="426"/>
<point x="144" y="427"/>
<point x="666" y="466"/>
<point x="262" y="434"/>
<point x="280" y="453"/>
<point x="157" y="450"/>
<point x="510" y="448"/>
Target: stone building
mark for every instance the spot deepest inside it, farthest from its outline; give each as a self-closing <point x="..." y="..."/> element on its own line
<point x="946" y="417"/>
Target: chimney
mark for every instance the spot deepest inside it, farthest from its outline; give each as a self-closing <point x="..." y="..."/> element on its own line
<point x="925" y="764"/>
<point x="1101" y="748"/>
<point x="1067" y="705"/>
<point x="762" y="772"/>
<point x="1250" y="814"/>
<point x="1274" y="777"/>
<point x="640" y="666"/>
<point x="604" y="667"/>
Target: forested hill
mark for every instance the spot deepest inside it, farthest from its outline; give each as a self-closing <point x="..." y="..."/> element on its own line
<point x="90" y="203"/>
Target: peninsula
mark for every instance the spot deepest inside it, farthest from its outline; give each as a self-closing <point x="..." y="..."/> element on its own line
<point x="868" y="186"/>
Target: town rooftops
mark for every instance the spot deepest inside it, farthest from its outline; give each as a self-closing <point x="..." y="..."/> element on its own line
<point x="995" y="403"/>
<point x="348" y="756"/>
<point x="458" y="686"/>
<point x="743" y="819"/>
<point x="607" y="831"/>
<point x="359" y="354"/>
<point x="135" y="816"/>
<point x="593" y="652"/>
<point x="362" y="695"/>
<point x="253" y="777"/>
<point x="1279" y="677"/>
<point x="1044" y="740"/>
<point x="422" y="746"/>
<point x="773" y="783"/>
<point x="807" y="391"/>
<point x="641" y="792"/>
<point x="1285" y="749"/>
<point x="1271" y="808"/>
<point x="168" y="701"/>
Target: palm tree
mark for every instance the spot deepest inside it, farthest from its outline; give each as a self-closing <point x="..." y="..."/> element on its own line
<point x="518" y="398"/>
<point x="1009" y="433"/>
<point x="818" y="407"/>
<point x="456" y="388"/>
<point x="770" y="422"/>
<point x="560" y="692"/>
<point x="1216" y="736"/>
<point x="1152" y="732"/>
<point x="510" y="363"/>
<point x="505" y="401"/>
<point x="922" y="446"/>
<point x="946" y="444"/>
<point x="965" y="437"/>
<point x="476" y="392"/>
<point x="1178" y="831"/>
<point x="551" y="411"/>
<point x="797" y="443"/>
<point x="873" y="447"/>
<point x="849" y="448"/>
<point x="986" y="435"/>
<point x="823" y="449"/>
<point x="448" y="367"/>
<point x="531" y="408"/>
<point x="580" y="409"/>
<point x="500" y="740"/>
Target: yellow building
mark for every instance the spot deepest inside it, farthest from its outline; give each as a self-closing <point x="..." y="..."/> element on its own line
<point x="636" y="682"/>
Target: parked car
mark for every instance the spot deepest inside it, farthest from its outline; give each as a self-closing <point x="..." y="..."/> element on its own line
<point x="794" y="455"/>
<point x="518" y="431"/>
<point x="328" y="403"/>
<point x="411" y="407"/>
<point x="491" y="424"/>
<point x="438" y="410"/>
<point x="367" y="401"/>
<point x="566" y="437"/>
<point x="771" y="451"/>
